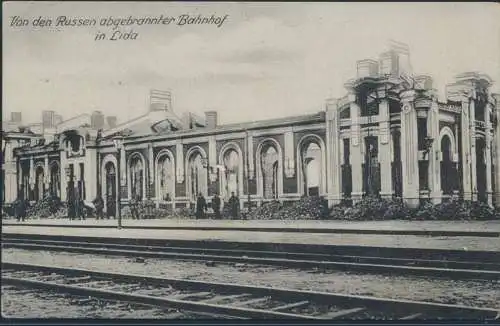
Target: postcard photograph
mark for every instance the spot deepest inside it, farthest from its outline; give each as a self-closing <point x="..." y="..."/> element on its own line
<point x="250" y="161"/>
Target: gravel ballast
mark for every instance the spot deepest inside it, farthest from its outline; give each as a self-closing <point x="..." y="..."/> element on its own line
<point x="18" y="302"/>
<point x="470" y="293"/>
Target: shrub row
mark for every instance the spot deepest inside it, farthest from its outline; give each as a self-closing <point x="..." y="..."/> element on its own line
<point x="390" y="209"/>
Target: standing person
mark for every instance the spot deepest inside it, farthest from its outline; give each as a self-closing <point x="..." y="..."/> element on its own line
<point x="24" y="208"/>
<point x="216" y="205"/>
<point x="20" y="209"/>
<point x="234" y="203"/>
<point x="99" y="207"/>
<point x="78" y="204"/>
<point x="134" y="207"/>
<point x="201" y="205"/>
<point x="71" y="203"/>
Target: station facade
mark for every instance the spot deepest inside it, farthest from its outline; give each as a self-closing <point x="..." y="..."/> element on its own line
<point x="388" y="136"/>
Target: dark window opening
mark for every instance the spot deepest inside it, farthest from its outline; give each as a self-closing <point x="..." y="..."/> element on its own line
<point x="345" y="114"/>
<point x="479" y="111"/>
<point x="423" y="175"/>
<point x="422" y="132"/>
<point x="347" y="151"/>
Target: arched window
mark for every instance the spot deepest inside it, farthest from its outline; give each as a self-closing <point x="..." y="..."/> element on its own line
<point x="269" y="166"/>
<point x="137" y="177"/>
<point x="166" y="178"/>
<point x="55" y="183"/>
<point x="39" y="175"/>
<point x="197" y="175"/>
<point x="231" y="173"/>
<point x="447" y="173"/>
<point x="311" y="166"/>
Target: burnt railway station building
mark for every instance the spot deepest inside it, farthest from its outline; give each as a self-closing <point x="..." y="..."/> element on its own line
<point x="388" y="136"/>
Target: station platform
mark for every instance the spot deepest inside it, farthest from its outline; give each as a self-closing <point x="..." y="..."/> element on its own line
<point x="396" y="227"/>
<point x="90" y="228"/>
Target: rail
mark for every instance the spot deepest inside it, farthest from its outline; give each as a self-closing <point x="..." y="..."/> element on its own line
<point x="230" y="299"/>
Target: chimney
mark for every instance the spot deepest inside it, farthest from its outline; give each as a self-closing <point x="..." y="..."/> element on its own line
<point x="15" y="117"/>
<point x="211" y="119"/>
<point x="396" y="61"/>
<point x="57" y="119"/>
<point x="367" y="68"/>
<point x="97" y="120"/>
<point x="160" y="100"/>
<point x="48" y="119"/>
<point x="111" y="120"/>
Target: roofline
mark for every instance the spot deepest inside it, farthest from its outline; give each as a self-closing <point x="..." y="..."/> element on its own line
<point x="234" y="127"/>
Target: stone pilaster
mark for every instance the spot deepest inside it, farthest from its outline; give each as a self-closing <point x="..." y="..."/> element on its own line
<point x="123" y="166"/>
<point x="151" y="172"/>
<point x="90" y="173"/>
<point x="409" y="149"/>
<point x="496" y="144"/>
<point x="32" y="174"/>
<point x="473" y="156"/>
<point x="10" y="182"/>
<point x="289" y="155"/>
<point x="179" y="159"/>
<point x="212" y="158"/>
<point x="333" y="157"/>
<point x="384" y="154"/>
<point x="466" y="151"/>
<point x="46" y="180"/>
<point x="249" y="155"/>
<point x="356" y="150"/>
<point x="62" y="175"/>
<point x="434" y="153"/>
<point x="489" y="190"/>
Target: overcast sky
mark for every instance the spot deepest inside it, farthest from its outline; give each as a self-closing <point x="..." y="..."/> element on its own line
<point x="267" y="60"/>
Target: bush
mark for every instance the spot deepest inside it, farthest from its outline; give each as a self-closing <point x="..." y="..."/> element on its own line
<point x="307" y="208"/>
<point x="372" y="208"/>
<point x="48" y="206"/>
<point x="389" y="209"/>
<point x="265" y="212"/>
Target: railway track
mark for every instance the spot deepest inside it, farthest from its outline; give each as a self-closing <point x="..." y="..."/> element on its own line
<point x="220" y="299"/>
<point x="454" y="269"/>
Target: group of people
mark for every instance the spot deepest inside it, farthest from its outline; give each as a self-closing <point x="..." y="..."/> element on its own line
<point x="201" y="206"/>
<point x="77" y="208"/>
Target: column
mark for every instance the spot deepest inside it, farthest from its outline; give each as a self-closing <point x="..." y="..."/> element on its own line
<point x="356" y="157"/>
<point x="466" y="153"/>
<point x="384" y="153"/>
<point x="10" y="181"/>
<point x="409" y="149"/>
<point x="179" y="160"/>
<point x="90" y="173"/>
<point x="32" y="176"/>
<point x="123" y="173"/>
<point x="333" y="156"/>
<point x="249" y="156"/>
<point x="289" y="155"/>
<point x="489" y="190"/>
<point x="472" y="142"/>
<point x="19" y="178"/>
<point x="497" y="151"/>
<point x="151" y="172"/>
<point x="434" y="153"/>
<point x="212" y="159"/>
<point x="62" y="175"/>
<point x="46" y="181"/>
